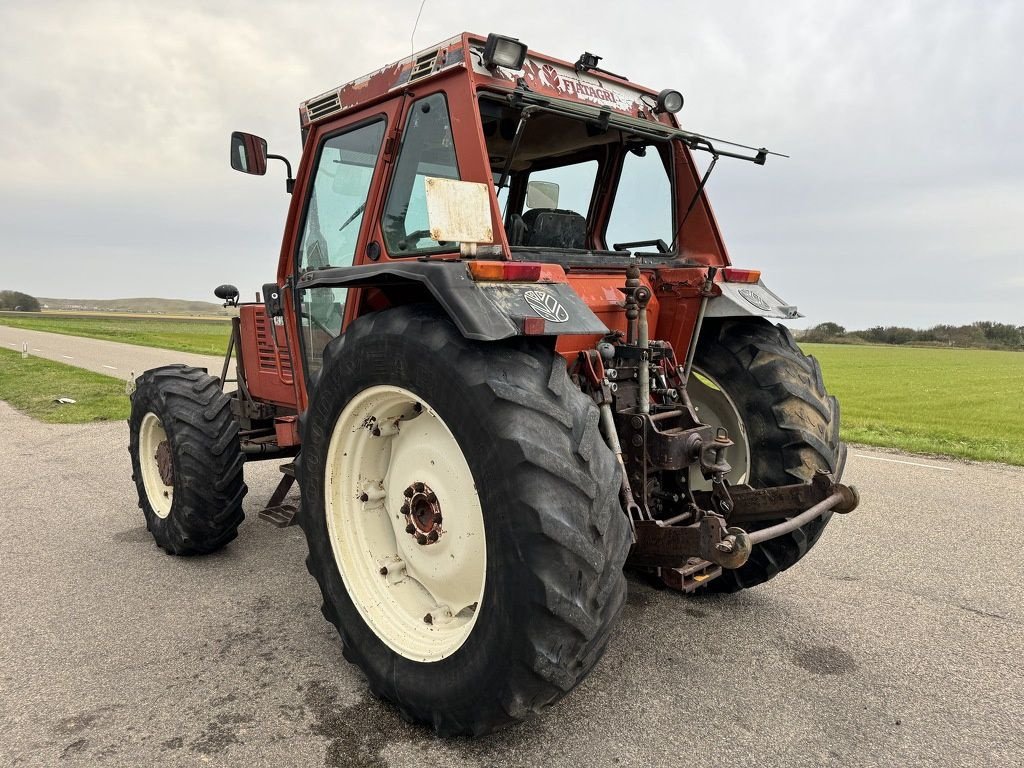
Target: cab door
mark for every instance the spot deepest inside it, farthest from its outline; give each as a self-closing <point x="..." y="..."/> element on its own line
<point x="333" y="227"/>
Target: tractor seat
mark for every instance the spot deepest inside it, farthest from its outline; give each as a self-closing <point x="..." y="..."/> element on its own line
<point x="554" y="228"/>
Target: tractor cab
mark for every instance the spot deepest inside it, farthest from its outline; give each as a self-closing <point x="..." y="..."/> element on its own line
<point x="583" y="170"/>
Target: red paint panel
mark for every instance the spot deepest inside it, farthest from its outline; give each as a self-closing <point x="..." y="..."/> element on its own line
<point x="602" y="293"/>
<point x="679" y="292"/>
<point x="286" y="428"/>
<point x="268" y="369"/>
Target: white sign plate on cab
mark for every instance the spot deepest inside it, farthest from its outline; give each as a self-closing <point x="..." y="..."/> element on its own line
<point x="458" y="211"/>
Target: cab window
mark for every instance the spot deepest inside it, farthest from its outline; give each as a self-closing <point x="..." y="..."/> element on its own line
<point x="570" y="188"/>
<point x="427" y="150"/>
<point x="334" y="217"/>
<point x="642" y="210"/>
<point x="334" y="214"/>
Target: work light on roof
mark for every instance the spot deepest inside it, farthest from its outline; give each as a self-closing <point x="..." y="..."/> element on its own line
<point x="669" y="101"/>
<point x="501" y="51"/>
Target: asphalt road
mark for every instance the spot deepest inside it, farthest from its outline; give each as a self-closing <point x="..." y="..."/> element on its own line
<point x="898" y="641"/>
<point x="108" y="357"/>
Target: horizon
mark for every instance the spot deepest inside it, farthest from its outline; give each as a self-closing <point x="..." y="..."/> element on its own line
<point x="787" y="323"/>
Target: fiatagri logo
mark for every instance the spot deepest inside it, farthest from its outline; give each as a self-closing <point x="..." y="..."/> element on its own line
<point x="574" y="88"/>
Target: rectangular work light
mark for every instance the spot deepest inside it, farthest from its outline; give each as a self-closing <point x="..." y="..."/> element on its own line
<point x="501" y="51"/>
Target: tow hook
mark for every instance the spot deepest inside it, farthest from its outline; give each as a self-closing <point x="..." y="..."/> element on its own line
<point x="734" y="548"/>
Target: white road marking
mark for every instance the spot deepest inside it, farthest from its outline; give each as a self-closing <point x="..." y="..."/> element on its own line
<point x="110" y="367"/>
<point x="12" y="343"/>
<point x="36" y="350"/>
<point x="67" y="357"/>
<point x="900" y="461"/>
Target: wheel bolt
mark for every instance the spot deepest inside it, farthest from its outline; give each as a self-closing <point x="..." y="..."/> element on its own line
<point x="410" y="528"/>
<point x="421" y="539"/>
<point x="408" y="493"/>
<point x="364" y="497"/>
<point x="428" y="619"/>
<point x="418" y="487"/>
<point x="405" y="508"/>
<point x="437" y="518"/>
<point x="431" y="498"/>
<point x="432" y="536"/>
<point x="383" y="570"/>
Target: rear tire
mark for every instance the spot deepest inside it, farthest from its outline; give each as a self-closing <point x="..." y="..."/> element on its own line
<point x="186" y="459"/>
<point x="546" y="497"/>
<point x="791" y="427"/>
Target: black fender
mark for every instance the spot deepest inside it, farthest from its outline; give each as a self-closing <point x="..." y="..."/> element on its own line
<point x="486" y="311"/>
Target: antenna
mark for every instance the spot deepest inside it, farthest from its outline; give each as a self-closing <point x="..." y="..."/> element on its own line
<point x="412" y="37"/>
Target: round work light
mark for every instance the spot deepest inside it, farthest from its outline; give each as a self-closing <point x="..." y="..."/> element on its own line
<point x="669" y="101"/>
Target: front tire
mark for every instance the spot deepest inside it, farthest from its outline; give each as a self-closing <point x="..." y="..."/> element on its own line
<point x="752" y="378"/>
<point x="511" y="455"/>
<point x="186" y="459"/>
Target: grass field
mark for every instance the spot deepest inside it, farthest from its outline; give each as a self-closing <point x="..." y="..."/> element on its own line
<point x="958" y="402"/>
<point x="32" y="384"/>
<point x="205" y="337"/>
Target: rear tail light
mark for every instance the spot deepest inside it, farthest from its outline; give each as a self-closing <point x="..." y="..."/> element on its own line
<point x="513" y="271"/>
<point x="733" y="275"/>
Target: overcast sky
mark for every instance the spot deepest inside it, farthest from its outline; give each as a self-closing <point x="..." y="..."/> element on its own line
<point x="903" y="202"/>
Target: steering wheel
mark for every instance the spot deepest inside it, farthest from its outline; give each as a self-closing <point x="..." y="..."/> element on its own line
<point x="660" y="244"/>
<point x="413" y="237"/>
<point x="317" y="323"/>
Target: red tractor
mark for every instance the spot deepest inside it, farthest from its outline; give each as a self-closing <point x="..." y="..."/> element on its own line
<point x="505" y="355"/>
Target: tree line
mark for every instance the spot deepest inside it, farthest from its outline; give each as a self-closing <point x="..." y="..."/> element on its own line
<point x="982" y="334"/>
<point x="19" y="302"/>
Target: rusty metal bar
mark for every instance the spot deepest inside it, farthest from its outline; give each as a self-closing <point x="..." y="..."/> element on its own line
<point x="228" y="354"/>
<point x="633" y="510"/>
<point x="705" y="293"/>
<point x="665" y="415"/>
<point x="823" y="506"/>
<point x="678" y="518"/>
<point x="643" y="296"/>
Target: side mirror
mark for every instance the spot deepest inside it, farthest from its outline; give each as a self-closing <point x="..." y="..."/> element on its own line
<point x="248" y="153"/>
<point x="272" y="300"/>
<point x="542" y="194"/>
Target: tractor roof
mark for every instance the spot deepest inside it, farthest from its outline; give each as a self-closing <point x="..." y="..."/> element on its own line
<point x="541" y="74"/>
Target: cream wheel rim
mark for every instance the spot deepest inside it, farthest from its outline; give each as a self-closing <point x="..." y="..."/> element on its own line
<point x="154" y="448"/>
<point x="405" y="523"/>
<point x="715" y="408"/>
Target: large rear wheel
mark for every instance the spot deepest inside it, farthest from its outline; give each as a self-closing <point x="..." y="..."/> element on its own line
<point x="462" y="515"/>
<point x="752" y="378"/>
